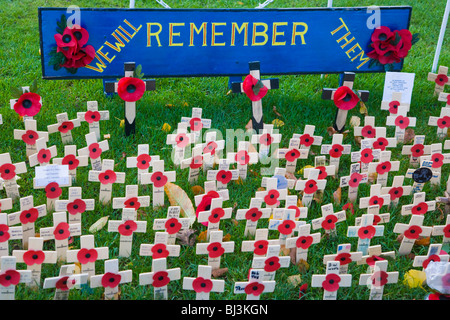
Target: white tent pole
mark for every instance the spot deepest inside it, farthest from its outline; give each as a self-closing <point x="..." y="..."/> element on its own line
<point x="441" y="37"/>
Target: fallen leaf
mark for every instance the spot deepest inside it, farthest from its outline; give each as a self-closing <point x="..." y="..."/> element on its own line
<point x="166" y="127"/>
<point x="358" y="140"/>
<point x="295" y="280"/>
<point x="409" y="135"/>
<point x="261" y="189"/>
<point x="284" y="251"/>
<point x="277" y="123"/>
<point x="249" y="125"/>
<point x="197" y="190"/>
<point x="337" y="195"/>
<point x="226" y="237"/>
<point x="218" y="272"/>
<point x="414" y="278"/>
<point x="355" y="121"/>
<point x="235" y="222"/>
<point x="99" y="224"/>
<point x="363" y="108"/>
<point x="202" y="236"/>
<point x="178" y="197"/>
<point x="185" y="237"/>
<point x="274" y="109"/>
<point x="303" y="266"/>
<point x="331" y="131"/>
<point x="300" y="171"/>
<point x="372" y="177"/>
<point x="423" y="241"/>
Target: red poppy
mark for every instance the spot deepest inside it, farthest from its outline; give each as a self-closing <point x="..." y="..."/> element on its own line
<point x="215" y="250"/>
<point x="76" y="206"/>
<point x="402" y="122"/>
<point x="65" y="127"/>
<point x="379" y="278"/>
<point x="65" y="283"/>
<point x="210" y="148"/>
<point x="331" y="282"/>
<point x="384" y="52"/>
<point x="44" y="156"/>
<point x="242" y="157"/>
<point x="302" y="290"/>
<point x="406" y="42"/>
<point x="66" y="40"/>
<point x="413" y="232"/>
<point x="79" y="58"/>
<point x="111" y="280"/>
<point x="127" y="228"/>
<point x="343" y="258"/>
<point x="143" y="161"/>
<point x="265" y="139"/>
<point x="336" y="150"/>
<point x="395" y="193"/>
<point x="441" y="79"/>
<point x="447" y="231"/>
<point x="172" y="225"/>
<point x="94" y="150"/>
<point x="368" y="131"/>
<point x="107" y="177"/>
<point x="28" y="104"/>
<point x="254" y="288"/>
<point x="376" y="200"/>
<point x="366" y="232"/>
<point x="381" y="143"/>
<point x="437" y="160"/>
<point x="92" y="116"/>
<point x="133" y="202"/>
<point x="52" y="190"/>
<point x="160" y="279"/>
<point x="382" y="33"/>
<point x="420" y="208"/>
<point x="9" y="277"/>
<point x="196" y="162"/>
<point x="329" y="222"/>
<point x="216" y="215"/>
<point x="272" y="197"/>
<point x="286" y="227"/>
<point x="31" y="257"/>
<point x="376" y="219"/>
<point x="254" y="88"/>
<point x="205" y="204"/>
<point x="272" y="264"/>
<point x="158" y="179"/>
<point x="130" y="89"/>
<point x="4" y="233"/>
<point x="297" y="210"/>
<point x="393" y="106"/>
<point x="261" y="247"/>
<point x="383" y="167"/>
<point x="344" y="98"/>
<point x="322" y="172"/>
<point x="310" y="187"/>
<point x="224" y="176"/>
<point x="30" y="137"/>
<point x="417" y="150"/>
<point x="71" y="160"/>
<point x="201" y="284"/>
<point x="182" y="140"/>
<point x="304" y="242"/>
<point x="366" y="155"/>
<point x="372" y="259"/>
<point x="292" y="155"/>
<point x="444" y="122"/>
<point x="87" y="255"/>
<point x="448" y="99"/>
<point x="306" y="140"/>
<point x="7" y="171"/>
<point x="159" y="250"/>
<point x="196" y="124"/>
<point x="29" y="216"/>
<point x="433" y="257"/>
<point x="355" y="179"/>
<point x="61" y="231"/>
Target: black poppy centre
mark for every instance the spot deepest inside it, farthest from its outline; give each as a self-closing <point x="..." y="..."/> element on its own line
<point x="27" y="103"/>
<point x="131" y="88"/>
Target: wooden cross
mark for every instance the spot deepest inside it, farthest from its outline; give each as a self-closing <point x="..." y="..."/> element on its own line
<point x="132" y="199"/>
<point x="53" y="191"/>
<point x="211" y="191"/>
<point x="419" y="205"/>
<point x="397" y="190"/>
<point x="64" y="126"/>
<point x="443" y="96"/>
<point x="353" y="180"/>
<point x="8" y="172"/>
<point x="143" y="161"/>
<point x="34" y="257"/>
<point x="292" y="154"/>
<point x="393" y="104"/>
<point x="329" y="219"/>
<point x="437" y="158"/>
<point x="111" y="279"/>
<point x="365" y="156"/>
<point x="7" y="233"/>
<point x="377" y="217"/>
<point x="368" y="130"/>
<point x="161" y="248"/>
<point x="260" y="244"/>
<point x="310" y="185"/>
<point x="401" y="121"/>
<point x="375" y="198"/>
<point x="212" y="149"/>
<point x="255" y="88"/>
<point x="284" y="222"/>
<point x="72" y="160"/>
<point x="159" y="278"/>
<point x="159" y="178"/>
<point x="272" y="195"/>
<point x="194" y="163"/>
<point x="435" y="253"/>
<point x="253" y="215"/>
<point x="378" y="279"/>
<point x="347" y="79"/>
<point x="266" y="137"/>
<point x="203" y="284"/>
<point x="130" y="106"/>
<point x="422" y="175"/>
<point x="94" y="150"/>
<point x="75" y="205"/>
<point x="331" y="281"/>
<point x="443" y="230"/>
<point x="172" y="224"/>
<point x="336" y="149"/>
<point x="365" y="231"/>
<point x="43" y="155"/>
<point x="27" y="217"/>
<point x="320" y="164"/>
<point x="93" y="117"/>
<point x="303" y="241"/>
<point x="442" y="123"/>
<point x="411" y="232"/>
<point x="416" y="150"/>
<point x="375" y="253"/>
<point x="291" y="203"/>
<point x="127" y="227"/>
<point x="214" y="215"/>
<point x="215" y="248"/>
<point x="222" y="175"/>
<point x="271" y="262"/>
<point x="65" y="281"/>
<point x="307" y="138"/>
<point x="243" y="157"/>
<point x="381" y="141"/>
<point x="255" y="286"/>
<point x="197" y="123"/>
<point x="344" y="256"/>
<point x="29" y="135"/>
<point x="5" y="204"/>
<point x="180" y="140"/>
<point x="11" y="277"/>
<point x="60" y="233"/>
<point x="107" y="177"/>
<point x="440" y="79"/>
<point x="384" y="167"/>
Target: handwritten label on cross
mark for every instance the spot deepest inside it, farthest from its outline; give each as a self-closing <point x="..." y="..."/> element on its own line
<point x="9" y="172"/>
<point x="107" y="177"/>
<point x="158" y="178"/>
<point x="419" y="205"/>
<point x="203" y="284"/>
<point x="331" y="281"/>
<point x="378" y="279"/>
<point x="255" y="286"/>
<point x="94" y="150"/>
<point x="93" y="117"/>
<point x="411" y="232"/>
<point x="64" y="126"/>
<point x="11" y="277"/>
<point x="435" y="253"/>
<point x="111" y="279"/>
<point x="344" y="256"/>
<point x="29" y="135"/>
<point x="72" y="160"/>
<point x="159" y="278"/>
<point x="441" y="79"/>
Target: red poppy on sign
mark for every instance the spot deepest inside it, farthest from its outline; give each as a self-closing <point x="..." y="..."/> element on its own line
<point x="372" y="259"/>
<point x="443" y="122"/>
<point x="130" y="89"/>
<point x="65" y="283"/>
<point x="322" y="172"/>
<point x="210" y="148"/>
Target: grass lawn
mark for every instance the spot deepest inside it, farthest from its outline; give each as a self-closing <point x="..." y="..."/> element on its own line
<point x="298" y="102"/>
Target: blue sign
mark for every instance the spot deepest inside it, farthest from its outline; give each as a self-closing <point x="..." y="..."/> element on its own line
<point x="219" y="42"/>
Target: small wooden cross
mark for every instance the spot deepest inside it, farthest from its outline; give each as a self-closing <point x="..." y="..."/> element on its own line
<point x="440" y="79"/>
<point x="260" y="244"/>
<point x="215" y="248"/>
<point x="292" y="154"/>
<point x="419" y="205"/>
<point x="416" y="150"/>
<point x="255" y="89"/>
<point x="75" y="205"/>
<point x="291" y="202"/>
<point x="127" y="227"/>
<point x="255" y="286"/>
<point x="131" y="199"/>
<point x="365" y="156"/>
<point x="336" y="149"/>
<point x="378" y="279"/>
<point x="93" y="117"/>
<point x="442" y="123"/>
<point x="159" y="278"/>
<point x="44" y="155"/>
<point x="34" y="257"/>
<point x="365" y="231"/>
<point x="107" y="177"/>
<point x="210" y="189"/>
<point x="445" y="97"/>
<point x="272" y="195"/>
<point x="328" y="220"/>
<point x="111" y="279"/>
<point x="214" y="215"/>
<point x="172" y="224"/>
<point x="320" y="164"/>
<point x="29" y="135"/>
<point x="212" y="149"/>
<point x="375" y="198"/>
<point x="143" y="161"/>
<point x="331" y="281"/>
<point x="397" y="190"/>
<point x="253" y="215"/>
<point x="353" y="180"/>
<point x="7" y="233"/>
<point x="435" y="253"/>
<point x="310" y="185"/>
<point x="271" y="262"/>
<point x="284" y="222"/>
<point x="307" y="138"/>
<point x="65" y="281"/>
<point x="369" y="130"/>
<point x="194" y="163"/>
<point x="11" y="277"/>
<point x="422" y="175"/>
<point x="375" y="253"/>
<point x="5" y="204"/>
<point x="53" y="191"/>
<point x="393" y="104"/>
<point x="411" y="232"/>
<point x="436" y="157"/>
<point x="222" y="175"/>
<point x="266" y="137"/>
<point x="94" y="150"/>
<point x="180" y="140"/>
<point x="129" y="88"/>
<point x="344" y="256"/>
<point x="401" y="121"/>
<point x="72" y="160"/>
<point x="303" y="241"/>
<point x="384" y="167"/>
<point x="443" y="230"/>
<point x="197" y="123"/>
<point x="60" y="233"/>
<point x="381" y="140"/>
<point x="159" y="178"/>
<point x="8" y="172"/>
<point x="64" y="126"/>
<point x="378" y="217"/>
<point x="243" y="157"/>
<point x="203" y="284"/>
<point x="161" y="248"/>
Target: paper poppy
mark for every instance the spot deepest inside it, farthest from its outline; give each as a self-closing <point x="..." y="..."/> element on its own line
<point x="111" y="280"/>
<point x="28" y="104"/>
<point x="143" y="161"/>
<point x="272" y="264"/>
<point x="130" y="89"/>
<point x="158" y="179"/>
<point x="159" y="250"/>
<point x="205" y="204"/>
<point x="297" y="210"/>
<point x="44" y="156"/>
<point x="87" y="255"/>
<point x="172" y="225"/>
<point x="413" y="232"/>
<point x="286" y="227"/>
<point x="437" y="296"/>
<point x="304" y="242"/>
<point x="306" y="140"/>
<point x="336" y="150"/>
<point x="71" y="160"/>
<point x="443" y="122"/>
<point x="201" y="284"/>
<point x="61" y="231"/>
<point x="265" y="139"/>
<point x="133" y="202"/>
<point x="94" y="150"/>
<point x="329" y="222"/>
<point x="29" y="216"/>
<point x="53" y="190"/>
<point x="355" y="179"/>
<point x="432" y="258"/>
<point x="420" y="208"/>
<point x="67" y="39"/>
<point x="322" y="172"/>
<point x="382" y="33"/>
<point x="379" y="278"/>
<point x="343" y="258"/>
<point x="302" y="290"/>
<point x="344" y="98"/>
<point x="160" y="279"/>
<point x="224" y="176"/>
<point x="368" y="131"/>
<point x="406" y="42"/>
<point x="196" y="162"/>
<point x="376" y="200"/>
<point x="92" y="116"/>
<point x="182" y="140"/>
<point x="254" y="88"/>
<point x="9" y="277"/>
<point x="381" y="143"/>
<point x="215" y="250"/>
<point x="31" y="257"/>
<point x="367" y="232"/>
<point x="372" y="259"/>
<point x="310" y="187"/>
<point x="366" y="155"/>
<point x="107" y="177"/>
<point x="242" y="157"/>
<point x="437" y="160"/>
<point x="448" y="99"/>
<point x="376" y="219"/>
<point x="254" y="288"/>
<point x="79" y="58"/>
<point x="292" y="155"/>
<point x="76" y="206"/>
<point x="417" y="150"/>
<point x="402" y="122"/>
<point x="127" y="228"/>
<point x="441" y="79"/>
<point x="393" y="106"/>
<point x="30" y="137"/>
<point x="65" y="283"/>
<point x="272" y="197"/>
<point x="4" y="233"/>
<point x="395" y="192"/>
<point x="331" y="282"/>
<point x="383" y="167"/>
<point x="65" y="127"/>
<point x="7" y="171"/>
<point x="216" y="215"/>
<point x="447" y="231"/>
<point x="261" y="247"/>
<point x="195" y="124"/>
<point x="210" y="148"/>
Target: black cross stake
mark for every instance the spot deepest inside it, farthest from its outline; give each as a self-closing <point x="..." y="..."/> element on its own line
<point x="346" y="80"/>
<point x="130" y="106"/>
<point x="257" y="111"/>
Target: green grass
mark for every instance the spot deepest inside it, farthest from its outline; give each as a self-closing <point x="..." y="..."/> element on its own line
<point x="298" y="101"/>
